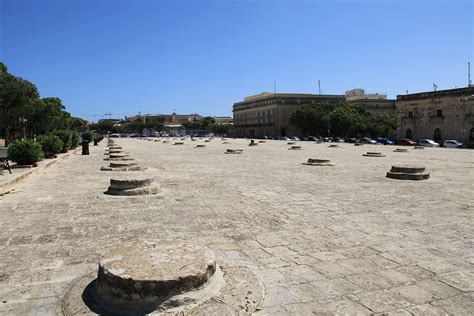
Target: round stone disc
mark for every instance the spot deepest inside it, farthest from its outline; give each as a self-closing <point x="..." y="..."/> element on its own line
<point x="133" y="273"/>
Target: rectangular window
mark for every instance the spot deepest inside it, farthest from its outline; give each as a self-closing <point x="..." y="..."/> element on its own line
<point x="439" y="113"/>
<point x="410" y="114"/>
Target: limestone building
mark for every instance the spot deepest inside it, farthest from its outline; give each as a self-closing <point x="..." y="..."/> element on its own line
<point x="267" y="114"/>
<point x="374" y="103"/>
<point x="167" y="119"/>
<point x="438" y="115"/>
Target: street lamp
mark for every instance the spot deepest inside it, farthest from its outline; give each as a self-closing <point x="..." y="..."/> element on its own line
<point x="23" y="123"/>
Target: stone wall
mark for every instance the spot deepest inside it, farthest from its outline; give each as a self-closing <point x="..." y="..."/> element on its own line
<point x="438" y="115"/>
<point x="268" y="114"/>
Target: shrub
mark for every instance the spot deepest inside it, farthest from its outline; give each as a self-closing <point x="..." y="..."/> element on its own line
<point x="87" y="136"/>
<point x="66" y="137"/>
<point x="98" y="137"/>
<point x="51" y="145"/>
<point x="74" y="139"/>
<point x="25" y="152"/>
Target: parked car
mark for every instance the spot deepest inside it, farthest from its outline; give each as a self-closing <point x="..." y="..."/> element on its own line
<point x="406" y="142"/>
<point x="427" y="143"/>
<point x="452" y="143"/>
<point x="385" y="141"/>
<point x="367" y="140"/>
<point x="295" y="138"/>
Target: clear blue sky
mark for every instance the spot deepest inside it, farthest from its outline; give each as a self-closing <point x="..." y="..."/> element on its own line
<point x="122" y="57"/>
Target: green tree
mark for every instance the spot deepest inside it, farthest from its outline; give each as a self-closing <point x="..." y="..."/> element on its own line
<point x="221" y="128"/>
<point x="207" y="123"/>
<point x="154" y="126"/>
<point x="17" y="97"/>
<point x="312" y="119"/>
<point x="346" y="121"/>
<point x="192" y="126"/>
<point x="76" y="124"/>
<point x="342" y="119"/>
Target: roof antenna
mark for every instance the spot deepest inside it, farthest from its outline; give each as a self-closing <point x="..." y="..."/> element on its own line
<point x="469" y="82"/>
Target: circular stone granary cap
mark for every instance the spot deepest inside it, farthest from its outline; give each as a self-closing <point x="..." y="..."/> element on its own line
<point x="406" y="172"/>
<point x="136" y="185"/>
<point x="373" y="154"/>
<point x="122" y="163"/>
<point x="318" y="162"/>
<point x="407" y="169"/>
<point x="172" y="277"/>
<point x="135" y="273"/>
<point x="234" y="151"/>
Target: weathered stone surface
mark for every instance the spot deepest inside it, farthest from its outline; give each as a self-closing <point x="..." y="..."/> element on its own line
<point x="318" y="162"/>
<point x="138" y="273"/>
<point x="373" y="154"/>
<point x="133" y="185"/>
<point x="407" y="172"/>
<point x="407" y="169"/>
<point x="234" y="151"/>
<point x="264" y="211"/>
<point x="295" y="148"/>
<point x="408" y="176"/>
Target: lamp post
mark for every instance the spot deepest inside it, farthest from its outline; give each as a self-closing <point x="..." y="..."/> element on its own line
<point x="23" y="123"/>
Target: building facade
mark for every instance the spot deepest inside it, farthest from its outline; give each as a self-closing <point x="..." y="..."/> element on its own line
<point x="167" y="119"/>
<point x="374" y="103"/>
<point x="223" y="119"/>
<point x="438" y="115"/>
<point x="267" y="114"/>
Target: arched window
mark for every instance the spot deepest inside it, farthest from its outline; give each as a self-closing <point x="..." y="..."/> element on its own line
<point x="409" y="133"/>
<point x="437" y="134"/>
<point x="471" y="134"/>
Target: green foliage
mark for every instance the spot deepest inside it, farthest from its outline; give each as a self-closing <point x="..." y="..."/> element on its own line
<point x="24" y="113"/>
<point x="154" y="126"/>
<point x="312" y="119"/>
<point x="76" y="124"/>
<point x="50" y="144"/>
<point x="87" y="136"/>
<point x="221" y="128"/>
<point x="104" y="126"/>
<point x="66" y="137"/>
<point x="192" y="126"/>
<point x="97" y="137"/>
<point x="208" y="123"/>
<point x="25" y="152"/>
<point x="74" y="139"/>
<point x="17" y="98"/>
<point x="341" y="119"/>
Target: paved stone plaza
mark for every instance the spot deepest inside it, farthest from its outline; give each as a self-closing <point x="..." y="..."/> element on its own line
<point x="339" y="239"/>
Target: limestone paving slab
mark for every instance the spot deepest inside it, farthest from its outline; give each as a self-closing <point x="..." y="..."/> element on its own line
<point x="263" y="209"/>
